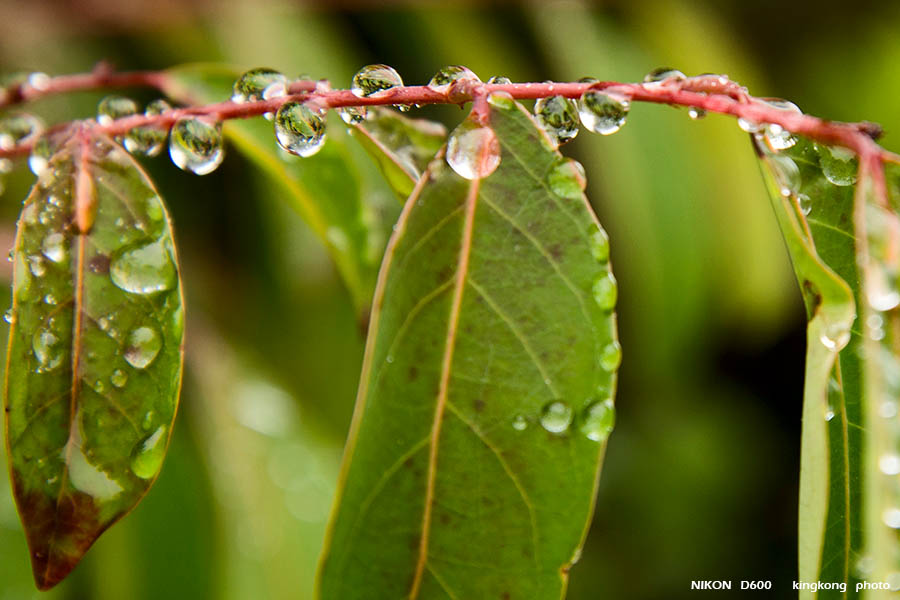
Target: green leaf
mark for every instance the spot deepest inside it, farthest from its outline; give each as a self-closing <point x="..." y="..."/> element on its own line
<point x="324" y="189"/>
<point x="400" y="146"/>
<point x="469" y="471"/>
<point x="95" y="349"/>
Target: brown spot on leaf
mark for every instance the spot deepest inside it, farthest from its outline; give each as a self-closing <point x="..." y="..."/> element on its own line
<point x="99" y="264"/>
<point x="413" y="373"/>
<point x="478" y="404"/>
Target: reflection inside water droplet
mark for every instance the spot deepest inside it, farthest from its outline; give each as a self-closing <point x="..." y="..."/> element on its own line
<point x="473" y="150"/>
<point x="143" y="346"/>
<point x="147" y="456"/>
<point x="144" y="269"/>
<point x="556" y="417"/>
<point x="598" y="420"/>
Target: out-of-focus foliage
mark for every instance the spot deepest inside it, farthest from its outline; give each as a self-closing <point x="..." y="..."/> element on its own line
<point x="701" y="475"/>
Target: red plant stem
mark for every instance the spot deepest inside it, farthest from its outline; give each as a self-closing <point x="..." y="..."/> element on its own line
<point x="709" y="93"/>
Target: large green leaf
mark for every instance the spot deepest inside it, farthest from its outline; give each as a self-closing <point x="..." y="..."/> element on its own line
<point x="400" y="146"/>
<point x="486" y="388"/>
<point x="324" y="189"/>
<point x="95" y="350"/>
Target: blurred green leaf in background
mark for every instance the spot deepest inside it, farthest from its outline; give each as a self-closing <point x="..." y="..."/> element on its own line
<point x="701" y="476"/>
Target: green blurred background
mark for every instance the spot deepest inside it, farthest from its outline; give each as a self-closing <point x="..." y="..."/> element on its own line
<point x="700" y="480"/>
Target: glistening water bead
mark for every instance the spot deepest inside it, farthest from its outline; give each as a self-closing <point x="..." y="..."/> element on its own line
<point x="195" y="144"/>
<point x="603" y="112"/>
<point x="558" y="116"/>
<point x="447" y="76"/>
<point x="251" y="85"/>
<point x="299" y="129"/>
<point x="148" y="140"/>
<point x="473" y="150"/>
<point x="374" y="79"/>
<point x="115" y="107"/>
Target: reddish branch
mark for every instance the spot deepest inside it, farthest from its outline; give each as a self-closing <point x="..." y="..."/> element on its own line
<point x="709" y="93"/>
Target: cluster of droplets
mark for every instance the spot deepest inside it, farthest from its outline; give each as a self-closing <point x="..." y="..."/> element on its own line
<point x="595" y="421"/>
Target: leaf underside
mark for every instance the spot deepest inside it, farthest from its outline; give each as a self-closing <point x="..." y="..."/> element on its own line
<point x="483" y="317"/>
<point x="95" y="350"/>
<point x="840" y="521"/>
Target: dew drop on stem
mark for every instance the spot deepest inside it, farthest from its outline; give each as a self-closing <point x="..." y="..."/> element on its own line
<point x="250" y="86"/>
<point x="603" y="112"/>
<point x="299" y="129"/>
<point x="374" y="79"/>
<point x="195" y="145"/>
<point x="115" y="107"/>
<point x="558" y="116"/>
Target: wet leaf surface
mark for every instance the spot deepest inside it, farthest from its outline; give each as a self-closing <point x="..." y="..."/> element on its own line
<point x="95" y="352"/>
<point x="486" y="393"/>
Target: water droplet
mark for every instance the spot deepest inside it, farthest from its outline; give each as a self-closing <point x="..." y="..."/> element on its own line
<point x="567" y="179"/>
<point x="195" y="144"/>
<point x="299" y="129"/>
<point x="54" y="247"/>
<point x="864" y="566"/>
<point x="603" y="112"/>
<point x="39" y="81"/>
<point x="16" y="127"/>
<point x="250" y="86"/>
<point x="696" y="113"/>
<point x="36" y="266"/>
<point x="520" y="423"/>
<point x="839" y="165"/>
<point x="558" y="116"/>
<point x="611" y="356"/>
<point x="829" y="413"/>
<point x="50" y="300"/>
<point x="447" y="76"/>
<point x="115" y="107"/>
<point x="501" y="100"/>
<point x="39" y="160"/>
<point x="147" y="456"/>
<point x="99" y="387"/>
<point x="805" y="203"/>
<point x="598" y="420"/>
<point x="47" y="349"/>
<point x="889" y="464"/>
<point x="891" y="517"/>
<point x="786" y="173"/>
<point x="374" y="79"/>
<point x="499" y="80"/>
<point x="473" y="150"/>
<point x="143" y="269"/>
<point x="888" y="409"/>
<point x="149" y="417"/>
<point x="748" y="125"/>
<point x="776" y="137"/>
<point x="118" y="378"/>
<point x="149" y="140"/>
<point x="599" y="243"/>
<point x="556" y="417"/>
<point x="835" y="336"/>
<point x="662" y="75"/>
<point x="606" y="291"/>
<point x="352" y="115"/>
<point x="143" y="346"/>
<point x="8" y="316"/>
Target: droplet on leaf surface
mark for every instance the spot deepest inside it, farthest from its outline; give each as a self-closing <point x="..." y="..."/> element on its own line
<point x="473" y="150"/>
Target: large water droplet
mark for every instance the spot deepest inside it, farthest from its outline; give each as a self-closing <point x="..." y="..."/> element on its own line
<point x="144" y="269"/>
<point x="143" y="346"/>
<point x="149" y="140"/>
<point x="556" y="417"/>
<point x="661" y="75"/>
<point x="352" y="115"/>
<point x="250" y="86"/>
<point x="599" y="243"/>
<point x="16" y="127"/>
<point x="299" y="129"/>
<point x="195" y="144"/>
<point x="115" y="107"/>
<point x="447" y="76"/>
<point x="47" y="349"/>
<point x="775" y="135"/>
<point x="611" y="356"/>
<point x="839" y="165"/>
<point x="54" y="247"/>
<point x="39" y="81"/>
<point x="835" y="336"/>
<point x="598" y="420"/>
<point x="147" y="456"/>
<point x="373" y="79"/>
<point x="473" y="150"/>
<point x="558" y="116"/>
<point x="696" y="113"/>
<point x="606" y="291"/>
<point x="567" y="179"/>
<point x="603" y="112"/>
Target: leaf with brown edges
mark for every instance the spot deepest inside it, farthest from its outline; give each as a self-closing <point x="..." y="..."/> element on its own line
<point x="95" y="349"/>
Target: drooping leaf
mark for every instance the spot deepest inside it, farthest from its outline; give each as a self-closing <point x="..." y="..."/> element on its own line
<point x="852" y="371"/>
<point x="486" y="391"/>
<point x="400" y="146"/>
<point x="324" y="188"/>
<point x="95" y="351"/>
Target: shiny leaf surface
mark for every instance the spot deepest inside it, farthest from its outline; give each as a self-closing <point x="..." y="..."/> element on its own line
<point x="486" y="391"/>
<point x="95" y="352"/>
